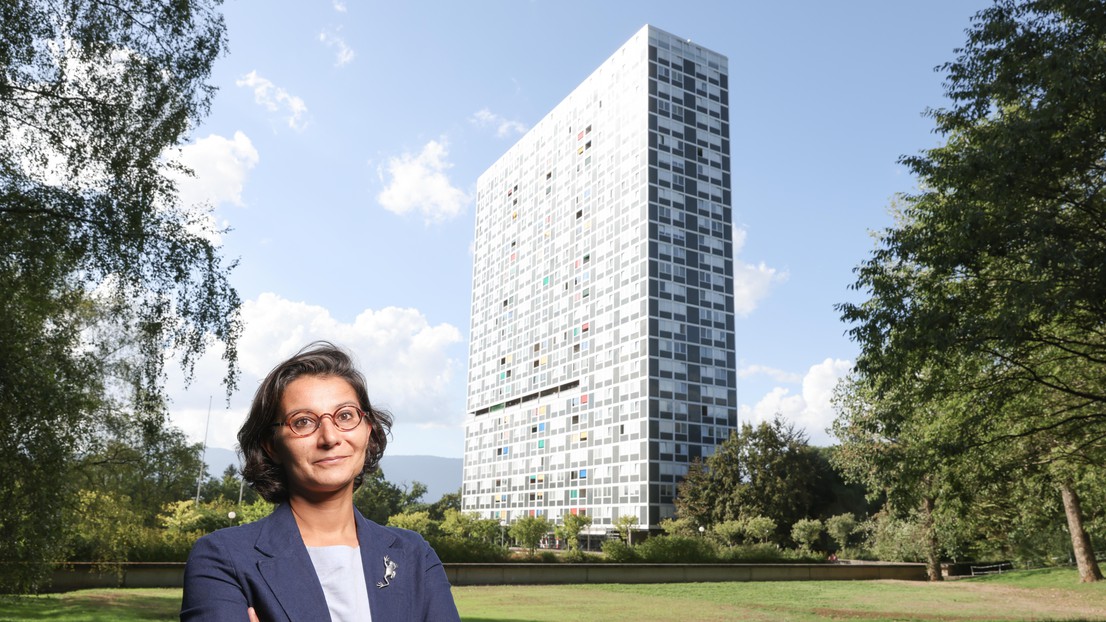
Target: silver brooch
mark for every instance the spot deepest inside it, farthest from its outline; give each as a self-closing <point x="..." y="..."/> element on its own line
<point x="389" y="572"/>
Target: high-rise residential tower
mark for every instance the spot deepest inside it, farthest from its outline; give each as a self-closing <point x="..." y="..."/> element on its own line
<point x="601" y="361"/>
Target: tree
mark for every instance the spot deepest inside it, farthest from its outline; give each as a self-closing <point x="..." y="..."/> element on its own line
<point x="228" y="487"/>
<point x="104" y="271"/>
<point x="729" y="532"/>
<point x="768" y="470"/>
<point x="469" y="526"/>
<point x="759" y="528"/>
<point x="378" y="499"/>
<point x="840" y="527"/>
<point x="151" y="463"/>
<point x="625" y="526"/>
<point x="415" y="521"/>
<point x="999" y="262"/>
<point x="528" y="532"/>
<point x="806" y="532"/>
<point x="449" y="501"/>
<point x="570" y="528"/>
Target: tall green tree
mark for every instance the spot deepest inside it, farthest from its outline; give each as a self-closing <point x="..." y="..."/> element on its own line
<point x="103" y="270"/>
<point x="1000" y="259"/>
<point x="528" y="532"/>
<point x="763" y="470"/>
<point x="378" y="499"/>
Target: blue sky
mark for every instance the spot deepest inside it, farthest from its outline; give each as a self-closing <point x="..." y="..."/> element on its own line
<point x="343" y="147"/>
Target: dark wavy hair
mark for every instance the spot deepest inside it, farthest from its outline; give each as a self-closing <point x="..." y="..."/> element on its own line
<point x="320" y="358"/>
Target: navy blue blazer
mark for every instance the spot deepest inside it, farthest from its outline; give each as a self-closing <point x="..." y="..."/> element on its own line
<point x="265" y="565"/>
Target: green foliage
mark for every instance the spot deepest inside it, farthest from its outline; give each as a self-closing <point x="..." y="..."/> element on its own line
<point x="529" y="530"/>
<point x="895" y="539"/>
<point x="142" y="457"/>
<point x="768" y="470"/>
<point x="451" y="550"/>
<point x="680" y="527"/>
<point x="469" y="525"/>
<point x="250" y="512"/>
<point x="625" y="526"/>
<point x="103" y="270"/>
<point x="676" y="550"/>
<point x="415" y="521"/>
<point x="570" y="528"/>
<point x="754" y="554"/>
<point x="619" y="552"/>
<point x="449" y="501"/>
<point x="981" y="338"/>
<point x="106" y="529"/>
<point x="729" y="532"/>
<point x="806" y="532"/>
<point x="378" y="499"/>
<point x="840" y="528"/>
<point x="759" y="528"/>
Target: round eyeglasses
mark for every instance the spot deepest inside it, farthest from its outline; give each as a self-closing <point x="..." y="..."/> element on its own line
<point x="305" y="422"/>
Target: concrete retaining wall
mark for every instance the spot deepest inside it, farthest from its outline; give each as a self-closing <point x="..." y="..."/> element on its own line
<point x="84" y="576"/>
<point x="531" y="574"/>
<point x="81" y="576"/>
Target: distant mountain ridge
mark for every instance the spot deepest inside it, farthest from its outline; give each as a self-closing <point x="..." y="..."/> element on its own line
<point x="441" y="475"/>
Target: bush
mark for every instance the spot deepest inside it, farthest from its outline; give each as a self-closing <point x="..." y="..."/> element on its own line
<point x="579" y="556"/>
<point x="676" y="550"/>
<point x="752" y="554"/>
<point x="619" y="552"/>
<point x="840" y="527"/>
<point x="459" y="550"/>
<point x="728" y="532"/>
<point x="162" y="545"/>
<point x="806" y="532"/>
<point x="759" y="528"/>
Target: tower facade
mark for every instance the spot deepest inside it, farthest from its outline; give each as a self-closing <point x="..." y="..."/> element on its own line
<point x="601" y="360"/>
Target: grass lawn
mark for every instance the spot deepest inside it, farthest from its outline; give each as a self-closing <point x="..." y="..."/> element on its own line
<point x="1051" y="594"/>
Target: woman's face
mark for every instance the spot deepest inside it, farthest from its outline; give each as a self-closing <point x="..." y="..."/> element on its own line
<point x="328" y="460"/>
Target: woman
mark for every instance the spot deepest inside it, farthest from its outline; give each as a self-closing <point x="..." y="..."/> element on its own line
<point x="310" y="437"/>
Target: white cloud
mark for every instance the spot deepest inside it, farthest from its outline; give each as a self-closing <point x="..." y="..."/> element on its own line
<point x="418" y="183"/>
<point x="274" y="99"/>
<point x="503" y="127"/>
<point x="406" y="362"/>
<point x="752" y="282"/>
<point x="339" y="6"/>
<point x="810" y="410"/>
<point x="778" y="375"/>
<point x="343" y="53"/>
<point x="220" y="165"/>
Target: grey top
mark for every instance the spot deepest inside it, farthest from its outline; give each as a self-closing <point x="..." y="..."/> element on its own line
<point x="343" y="577"/>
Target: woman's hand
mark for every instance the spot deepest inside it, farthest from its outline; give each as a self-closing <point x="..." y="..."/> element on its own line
<point x="252" y="614"/>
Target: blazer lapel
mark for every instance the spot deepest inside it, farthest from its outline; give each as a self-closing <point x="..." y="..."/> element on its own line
<point x="287" y="568"/>
<point x="386" y="602"/>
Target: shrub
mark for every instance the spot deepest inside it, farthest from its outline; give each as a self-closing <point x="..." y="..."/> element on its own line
<point x="415" y="521"/>
<point x="759" y="528"/>
<point x="676" y="550"/>
<point x="618" y="551"/>
<point x="752" y="554"/>
<point x="529" y="530"/>
<point x="839" y="528"/>
<point x="806" y="532"/>
<point x="548" y="557"/>
<point x="579" y="556"/>
<point x="729" y="532"/>
<point x="455" y="550"/>
<point x="679" y="527"/>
